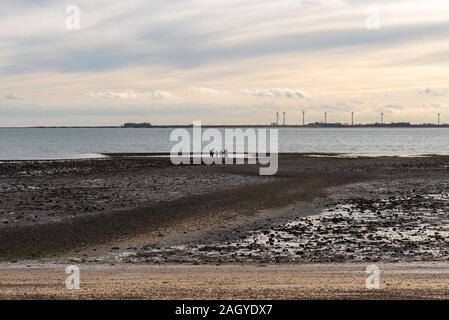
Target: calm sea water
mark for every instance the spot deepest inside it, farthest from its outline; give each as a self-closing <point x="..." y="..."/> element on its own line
<point x="70" y="143"/>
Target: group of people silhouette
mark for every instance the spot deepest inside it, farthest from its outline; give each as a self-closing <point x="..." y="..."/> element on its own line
<point x="222" y="153"/>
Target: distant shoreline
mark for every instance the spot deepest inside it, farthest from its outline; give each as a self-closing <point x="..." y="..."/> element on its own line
<point x="313" y="126"/>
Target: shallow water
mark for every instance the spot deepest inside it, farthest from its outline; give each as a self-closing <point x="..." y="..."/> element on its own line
<point x="71" y="143"/>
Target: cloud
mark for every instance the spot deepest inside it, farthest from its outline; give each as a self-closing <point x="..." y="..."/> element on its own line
<point x="12" y="96"/>
<point x="125" y="95"/>
<point x="159" y="94"/>
<point x="321" y="46"/>
<point x="187" y="34"/>
<point x="330" y="3"/>
<point x="394" y="107"/>
<point x="133" y="95"/>
<point x="276" y="93"/>
<point x="433" y="92"/>
<point x="205" y="91"/>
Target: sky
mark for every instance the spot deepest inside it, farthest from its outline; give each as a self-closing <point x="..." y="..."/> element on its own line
<point x="107" y="62"/>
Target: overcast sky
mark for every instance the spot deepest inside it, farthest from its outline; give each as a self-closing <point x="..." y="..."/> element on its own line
<point x="226" y="61"/>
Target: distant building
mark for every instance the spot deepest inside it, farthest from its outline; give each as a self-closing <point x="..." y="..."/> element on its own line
<point x="325" y="124"/>
<point x="400" y="124"/>
<point x="137" y="125"/>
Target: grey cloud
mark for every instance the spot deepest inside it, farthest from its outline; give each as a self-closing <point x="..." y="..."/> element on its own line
<point x="180" y="43"/>
<point x="434" y="92"/>
<point x="82" y="59"/>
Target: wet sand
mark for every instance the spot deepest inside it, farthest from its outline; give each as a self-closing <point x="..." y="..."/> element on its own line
<point x="127" y="220"/>
<point x="314" y="281"/>
<point x="382" y="221"/>
<point x="49" y="208"/>
<point x="75" y="205"/>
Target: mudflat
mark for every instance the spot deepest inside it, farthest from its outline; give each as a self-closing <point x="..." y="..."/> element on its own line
<point x="322" y="219"/>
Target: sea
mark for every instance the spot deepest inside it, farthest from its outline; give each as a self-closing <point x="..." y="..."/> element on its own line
<point x="79" y="143"/>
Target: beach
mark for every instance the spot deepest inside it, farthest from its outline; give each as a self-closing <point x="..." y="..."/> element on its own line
<point x="318" y="223"/>
<point x="274" y="282"/>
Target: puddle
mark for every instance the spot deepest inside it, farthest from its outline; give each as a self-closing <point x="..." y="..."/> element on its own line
<point x="402" y="226"/>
